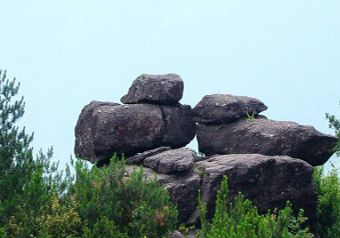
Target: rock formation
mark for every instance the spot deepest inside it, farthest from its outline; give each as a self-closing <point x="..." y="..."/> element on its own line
<point x="269" y="161"/>
<point x="107" y="128"/>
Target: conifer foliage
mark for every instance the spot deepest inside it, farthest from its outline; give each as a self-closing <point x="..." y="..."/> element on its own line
<point x="240" y="218"/>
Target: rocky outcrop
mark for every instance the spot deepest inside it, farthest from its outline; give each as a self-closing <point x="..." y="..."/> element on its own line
<point x="269" y="161"/>
<point x="225" y="108"/>
<point x="268" y="181"/>
<point x="266" y="137"/>
<point x="160" y="89"/>
<point x="104" y="129"/>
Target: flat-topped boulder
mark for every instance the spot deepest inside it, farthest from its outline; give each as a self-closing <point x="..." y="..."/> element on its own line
<point x="104" y="129"/>
<point x="171" y="161"/>
<point x="140" y="157"/>
<point x="163" y="89"/>
<point x="268" y="181"/>
<point x="266" y="137"/>
<point x="225" y="108"/>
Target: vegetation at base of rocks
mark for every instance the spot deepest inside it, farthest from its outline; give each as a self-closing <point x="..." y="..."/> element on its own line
<point x="328" y="186"/>
<point x="100" y="202"/>
<point x="38" y="201"/>
<point x="135" y="206"/>
<point x="241" y="219"/>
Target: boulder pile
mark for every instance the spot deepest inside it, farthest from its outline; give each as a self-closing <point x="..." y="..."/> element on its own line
<point x="152" y="118"/>
<point x="229" y="124"/>
<point x="269" y="161"/>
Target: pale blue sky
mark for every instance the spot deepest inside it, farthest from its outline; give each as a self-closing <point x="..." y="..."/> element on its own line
<point x="67" y="53"/>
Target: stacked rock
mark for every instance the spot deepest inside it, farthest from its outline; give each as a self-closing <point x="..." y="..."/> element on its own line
<point x="269" y="161"/>
<point x="229" y="124"/>
<point x="150" y="118"/>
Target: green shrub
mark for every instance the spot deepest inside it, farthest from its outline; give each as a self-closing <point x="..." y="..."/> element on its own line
<point x="136" y="207"/>
<point x="241" y="219"/>
<point x="328" y="202"/>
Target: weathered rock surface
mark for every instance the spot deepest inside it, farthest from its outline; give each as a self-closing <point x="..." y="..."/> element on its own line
<point x="104" y="129"/>
<point x="85" y="129"/>
<point x="266" y="137"/>
<point x="139" y="157"/>
<point x="160" y="89"/>
<point x="171" y="161"/>
<point x="179" y="127"/>
<point x="269" y="181"/>
<point x="225" y="108"/>
<point x="183" y="189"/>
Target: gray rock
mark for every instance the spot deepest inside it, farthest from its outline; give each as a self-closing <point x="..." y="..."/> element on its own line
<point x="171" y="161"/>
<point x="225" y="108"/>
<point x="104" y="129"/>
<point x="139" y="157"/>
<point x="85" y="129"/>
<point x="160" y="89"/>
<point x="266" y="137"/>
<point x="183" y="189"/>
<point x="268" y="181"/>
<point x="176" y="234"/>
<point x="178" y="122"/>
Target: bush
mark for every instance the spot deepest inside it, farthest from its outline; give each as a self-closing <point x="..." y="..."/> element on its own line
<point x="131" y="205"/>
<point x="328" y="186"/>
<point x="328" y="203"/>
<point x="241" y="219"/>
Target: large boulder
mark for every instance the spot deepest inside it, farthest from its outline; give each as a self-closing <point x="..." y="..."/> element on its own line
<point x="104" y="129"/>
<point x="85" y="130"/>
<point x="225" y="108"/>
<point x="171" y="161"/>
<point x="183" y="189"/>
<point x="268" y="181"/>
<point x="159" y="89"/>
<point x="266" y="137"/>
